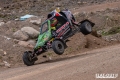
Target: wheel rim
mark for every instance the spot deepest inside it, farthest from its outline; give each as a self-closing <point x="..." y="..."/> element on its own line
<point x="88" y="26"/>
<point x="59" y="46"/>
<point x="29" y="57"/>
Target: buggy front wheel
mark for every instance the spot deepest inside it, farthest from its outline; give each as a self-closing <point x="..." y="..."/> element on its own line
<point x="27" y="58"/>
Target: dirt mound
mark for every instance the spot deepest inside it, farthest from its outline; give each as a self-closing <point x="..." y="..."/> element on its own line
<point x="77" y="42"/>
<point x="81" y="43"/>
<point x="95" y="42"/>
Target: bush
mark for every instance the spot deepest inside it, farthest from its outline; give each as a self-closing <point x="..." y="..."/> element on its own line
<point x="113" y="30"/>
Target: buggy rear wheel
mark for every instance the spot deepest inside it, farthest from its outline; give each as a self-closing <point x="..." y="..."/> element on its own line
<point x="58" y="47"/>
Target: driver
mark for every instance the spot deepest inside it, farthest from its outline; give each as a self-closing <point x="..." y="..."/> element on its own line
<point x="54" y="23"/>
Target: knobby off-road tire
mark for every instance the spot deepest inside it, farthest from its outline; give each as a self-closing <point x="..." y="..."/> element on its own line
<point x="86" y="27"/>
<point x="58" y="47"/>
<point x="27" y="59"/>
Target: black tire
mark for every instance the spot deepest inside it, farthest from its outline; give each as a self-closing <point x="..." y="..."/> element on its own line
<point x="86" y="27"/>
<point x="27" y="59"/>
<point x="58" y="47"/>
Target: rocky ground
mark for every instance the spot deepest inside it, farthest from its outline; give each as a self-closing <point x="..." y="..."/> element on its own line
<point x="11" y="9"/>
<point x="16" y="36"/>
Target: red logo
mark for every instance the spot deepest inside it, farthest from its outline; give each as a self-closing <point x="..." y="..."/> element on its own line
<point x="62" y="27"/>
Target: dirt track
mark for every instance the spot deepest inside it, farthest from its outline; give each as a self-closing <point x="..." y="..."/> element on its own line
<point x="80" y="67"/>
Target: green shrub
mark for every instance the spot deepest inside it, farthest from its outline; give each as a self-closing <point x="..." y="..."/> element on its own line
<point x="113" y="30"/>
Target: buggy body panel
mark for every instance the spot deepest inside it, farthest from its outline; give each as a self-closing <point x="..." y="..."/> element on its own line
<point x="45" y="35"/>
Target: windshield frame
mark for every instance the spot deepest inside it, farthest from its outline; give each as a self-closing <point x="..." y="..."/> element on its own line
<point x="42" y="26"/>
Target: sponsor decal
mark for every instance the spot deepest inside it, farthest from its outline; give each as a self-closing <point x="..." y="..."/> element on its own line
<point x="66" y="24"/>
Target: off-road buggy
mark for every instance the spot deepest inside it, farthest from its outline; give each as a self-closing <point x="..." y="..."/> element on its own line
<point x="56" y="38"/>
